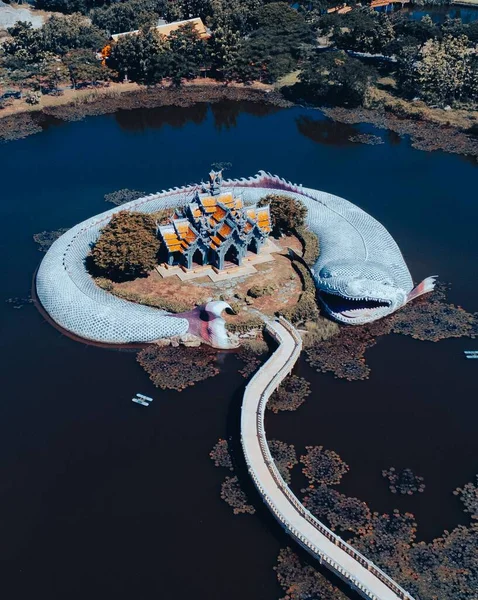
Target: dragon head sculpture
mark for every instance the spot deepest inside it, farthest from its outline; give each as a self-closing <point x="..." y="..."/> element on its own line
<point x="355" y="292"/>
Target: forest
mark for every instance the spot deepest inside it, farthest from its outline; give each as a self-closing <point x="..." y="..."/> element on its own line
<point x="331" y="59"/>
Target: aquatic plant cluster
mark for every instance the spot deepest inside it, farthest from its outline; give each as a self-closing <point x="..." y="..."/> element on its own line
<point x="123" y="196"/>
<point x="366" y="138"/>
<point x="404" y="481"/>
<point x="337" y="510"/>
<point x="232" y="494"/>
<point x="284" y="456"/>
<point x="176" y="368"/>
<point x="303" y="582"/>
<point x="446" y="568"/>
<point x="231" y="491"/>
<point x="220" y="455"/>
<point x="469" y="496"/>
<point x="45" y="239"/>
<point x="290" y="394"/>
<point x="252" y="353"/>
<point x="428" y="318"/>
<point x="323" y="466"/>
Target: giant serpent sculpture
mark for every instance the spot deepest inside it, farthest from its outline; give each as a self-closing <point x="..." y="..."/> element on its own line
<point x="360" y="274"/>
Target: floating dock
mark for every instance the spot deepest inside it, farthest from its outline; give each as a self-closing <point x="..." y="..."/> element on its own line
<point x="139" y="401"/>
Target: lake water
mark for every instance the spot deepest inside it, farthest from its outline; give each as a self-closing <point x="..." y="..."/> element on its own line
<point x="438" y="14"/>
<point x="102" y="497"/>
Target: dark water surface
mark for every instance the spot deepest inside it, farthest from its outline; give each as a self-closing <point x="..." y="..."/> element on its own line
<point x="438" y="14"/>
<point x="100" y="497"/>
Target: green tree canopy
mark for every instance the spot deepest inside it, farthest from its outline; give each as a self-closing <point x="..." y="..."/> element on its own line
<point x="281" y="37"/>
<point x="337" y="77"/>
<point x="84" y="68"/>
<point x="446" y="70"/>
<point x="63" y="33"/>
<point x="187" y="54"/>
<point x="128" y="16"/>
<point x="127" y="247"/>
<point x="137" y="56"/>
<point x="365" y="31"/>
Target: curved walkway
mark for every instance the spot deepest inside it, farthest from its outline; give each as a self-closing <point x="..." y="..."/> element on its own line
<point x="360" y="573"/>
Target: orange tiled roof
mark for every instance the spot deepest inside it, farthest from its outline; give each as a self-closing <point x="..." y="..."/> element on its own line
<point x="225" y="230"/>
<point x="168" y="28"/>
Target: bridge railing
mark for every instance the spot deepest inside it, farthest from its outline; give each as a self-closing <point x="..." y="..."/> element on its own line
<point x="284" y="488"/>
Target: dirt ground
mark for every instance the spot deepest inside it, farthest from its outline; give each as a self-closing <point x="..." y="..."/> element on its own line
<point x="282" y="282"/>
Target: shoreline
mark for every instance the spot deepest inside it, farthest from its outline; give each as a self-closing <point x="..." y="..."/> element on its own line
<point x="427" y="131"/>
<point x="21" y="120"/>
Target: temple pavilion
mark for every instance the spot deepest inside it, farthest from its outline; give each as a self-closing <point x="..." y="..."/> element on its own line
<point x="214" y="229"/>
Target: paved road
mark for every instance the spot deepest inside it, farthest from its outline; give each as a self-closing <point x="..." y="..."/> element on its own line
<point x="322" y="543"/>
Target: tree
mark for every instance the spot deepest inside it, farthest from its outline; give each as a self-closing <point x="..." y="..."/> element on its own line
<point x="137" y="56"/>
<point x="287" y="213"/>
<point x="127" y="247"/>
<point x="187" y="53"/>
<point x="69" y="6"/>
<point x="224" y="50"/>
<point x="236" y="15"/>
<point x="186" y="9"/>
<point x="337" y="77"/>
<point x="280" y="39"/>
<point x="84" y="68"/>
<point x="51" y="73"/>
<point x="365" y="31"/>
<point x="128" y="16"/>
<point x="63" y="33"/>
<point x="421" y="31"/>
<point x="445" y="70"/>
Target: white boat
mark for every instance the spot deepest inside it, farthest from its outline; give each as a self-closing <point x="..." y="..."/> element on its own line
<point x="144" y="397"/>
<point x="138" y="401"/>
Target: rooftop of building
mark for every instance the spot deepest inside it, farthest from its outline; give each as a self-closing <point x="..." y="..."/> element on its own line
<point x="218" y="216"/>
<point x="167" y="28"/>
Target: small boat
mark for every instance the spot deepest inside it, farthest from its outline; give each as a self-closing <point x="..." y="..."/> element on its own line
<point x="471" y="351"/>
<point x="138" y="401"/>
<point x="144" y="397"/>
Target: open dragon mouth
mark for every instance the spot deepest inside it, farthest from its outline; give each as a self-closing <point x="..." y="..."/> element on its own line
<point x="351" y="307"/>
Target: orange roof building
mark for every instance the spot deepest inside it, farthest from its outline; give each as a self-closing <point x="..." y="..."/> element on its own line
<point x="214" y="229"/>
<point x="167" y="28"/>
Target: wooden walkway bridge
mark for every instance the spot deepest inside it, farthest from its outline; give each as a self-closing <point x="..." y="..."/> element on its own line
<point x="341" y="558"/>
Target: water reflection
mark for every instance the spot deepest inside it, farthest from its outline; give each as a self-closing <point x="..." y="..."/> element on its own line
<point x="142" y="119"/>
<point x="331" y="133"/>
<point x="226" y="113"/>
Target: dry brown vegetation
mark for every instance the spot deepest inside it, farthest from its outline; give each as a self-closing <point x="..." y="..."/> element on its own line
<point x="220" y="455"/>
<point x="45" y="239"/>
<point x="176" y="368"/>
<point x="285" y="457"/>
<point x="323" y="466"/>
<point x="291" y="394"/>
<point x="303" y="582"/>
<point x="404" y="481"/>
<point x="252" y="353"/>
<point x="233" y="495"/>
